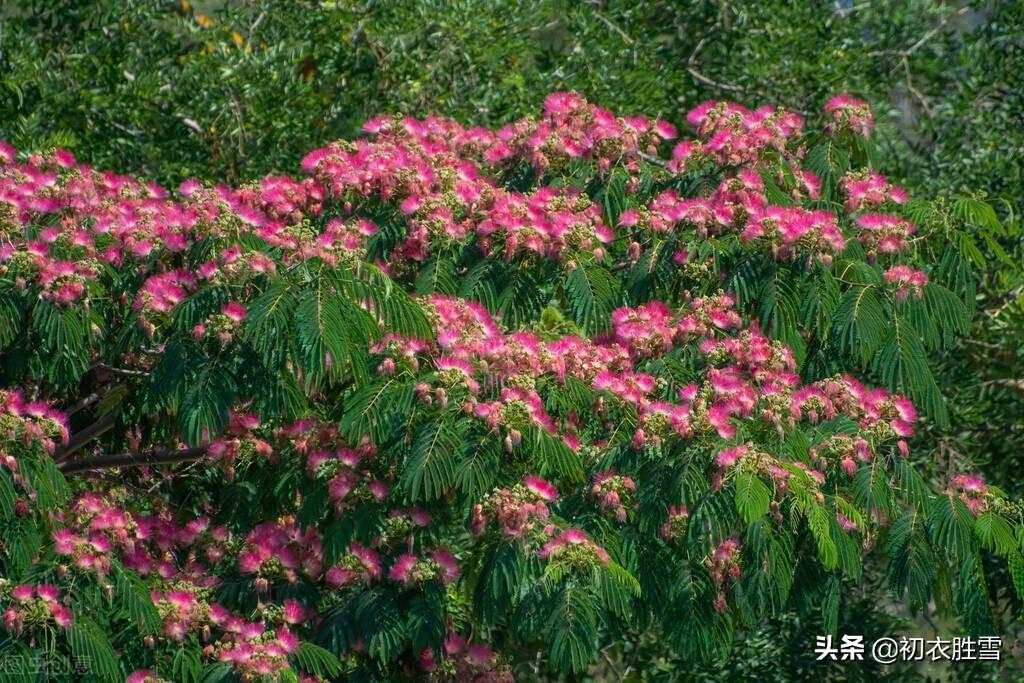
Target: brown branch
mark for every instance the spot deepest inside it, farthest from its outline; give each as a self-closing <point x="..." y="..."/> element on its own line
<point x="84" y="436"/>
<point x="1009" y="383"/>
<point x="651" y="159"/>
<point x="607" y="22"/>
<point x="153" y="457"/>
<point x="90" y="399"/>
<point x="123" y="371"/>
<point x="924" y="39"/>
<point x="692" y="70"/>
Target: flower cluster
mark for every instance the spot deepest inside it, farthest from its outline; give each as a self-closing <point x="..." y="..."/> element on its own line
<point x="849" y="114"/>
<point x="972" y="491"/>
<point x="360" y="565"/>
<point x="238" y="443"/>
<point x="724" y="567"/>
<point x="27" y="424"/>
<point x="907" y="281"/>
<point x="464" y="661"/>
<point x="573" y="547"/>
<point x="614" y="494"/>
<point x="96" y="528"/>
<point x="411" y="569"/>
<point x="732" y="135"/>
<point x="675" y="523"/>
<point x="33" y="607"/>
<point x="350" y="479"/>
<point x="864" y="189"/>
<point x="884" y="233"/>
<point x="280" y="549"/>
<point x="518" y="511"/>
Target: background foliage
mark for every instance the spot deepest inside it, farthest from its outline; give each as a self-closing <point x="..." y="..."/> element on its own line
<point x="232" y="91"/>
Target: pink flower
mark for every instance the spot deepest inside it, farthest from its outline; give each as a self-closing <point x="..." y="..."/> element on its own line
<point x="730" y="456"/>
<point x="234" y="311"/>
<point x="402" y="570"/>
<point x="449" y="567"/>
<point x="47" y="592"/>
<point x="23" y="593"/>
<point x="294" y="612"/>
<point x="61" y="615"/>
<point x="541" y="488"/>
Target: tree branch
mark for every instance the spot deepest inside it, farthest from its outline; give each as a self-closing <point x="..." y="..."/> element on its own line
<point x="692" y="70"/>
<point x="651" y="159"/>
<point x="153" y="457"/>
<point x="84" y="436"/>
<point x="90" y="399"/>
<point x="123" y="371"/>
<point x="924" y="39"/>
<point x="1008" y="383"/>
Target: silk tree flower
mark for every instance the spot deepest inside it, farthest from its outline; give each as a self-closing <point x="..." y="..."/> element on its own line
<point x="519" y="512"/>
<point x="849" y="114"/>
<point x="466" y="661"/>
<point x="884" y="233"/>
<point x="361" y="564"/>
<point x="675" y="523"/>
<point x="907" y="281"/>
<point x="34" y="606"/>
<point x="280" y="550"/>
<point x="724" y="567"/>
<point x="865" y="189"/>
<point x="846" y="524"/>
<point x="541" y="488"/>
<point x="646" y="329"/>
<point x="614" y="494"/>
<point x="438" y="565"/>
<point x="574" y="547"/>
<point x="972" y="491"/>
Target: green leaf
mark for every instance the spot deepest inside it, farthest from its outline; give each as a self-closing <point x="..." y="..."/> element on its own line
<point x="205" y="407"/>
<point x="135" y="600"/>
<point x="593" y="293"/>
<point x="268" y="322"/>
<point x="315" y="660"/>
<point x="320" y="340"/>
<point x="430" y="469"/>
<point x="90" y="643"/>
<point x="903" y="366"/>
<point x="818" y="522"/>
<point x="187" y="665"/>
<point x="572" y="631"/>
<point x="556" y="457"/>
<point x="952" y="525"/>
<point x="995" y="533"/>
<point x="375" y="408"/>
<point x="752" y="497"/>
<point x="859" y="322"/>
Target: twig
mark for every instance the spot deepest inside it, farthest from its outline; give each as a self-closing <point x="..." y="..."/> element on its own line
<point x="652" y="159"/>
<point x="89" y="400"/>
<point x="152" y="457"/>
<point x="256" y="24"/>
<point x="914" y="91"/>
<point x="1008" y="382"/>
<point x="607" y="22"/>
<point x="84" y="436"/>
<point x="923" y="39"/>
<point x="692" y="70"/>
<point x="123" y="371"/>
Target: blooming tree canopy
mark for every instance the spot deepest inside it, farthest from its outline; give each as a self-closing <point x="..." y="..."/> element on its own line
<point x="455" y="401"/>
